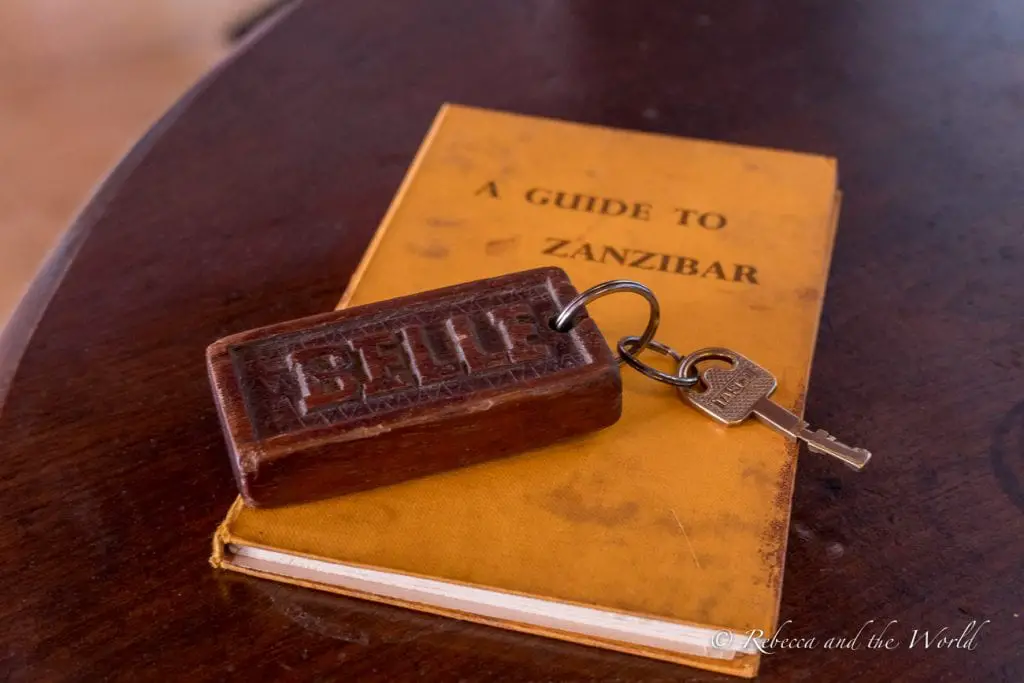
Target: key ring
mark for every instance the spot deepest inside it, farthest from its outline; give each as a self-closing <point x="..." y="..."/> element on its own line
<point x="689" y="363"/>
<point x="561" y="322"/>
<point x="681" y="379"/>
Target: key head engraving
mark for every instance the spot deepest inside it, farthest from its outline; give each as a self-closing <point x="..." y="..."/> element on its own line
<point x="386" y="392"/>
<point x="729" y="394"/>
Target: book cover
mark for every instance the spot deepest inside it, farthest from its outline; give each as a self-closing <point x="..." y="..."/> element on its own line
<point x="666" y="515"/>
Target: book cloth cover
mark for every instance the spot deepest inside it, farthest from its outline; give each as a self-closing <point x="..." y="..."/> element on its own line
<point x="666" y="514"/>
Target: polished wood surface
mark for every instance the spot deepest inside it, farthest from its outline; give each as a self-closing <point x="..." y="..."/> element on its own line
<point x="386" y="392"/>
<point x="252" y="201"/>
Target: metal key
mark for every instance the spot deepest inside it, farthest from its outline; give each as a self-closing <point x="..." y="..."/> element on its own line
<point x="733" y="394"/>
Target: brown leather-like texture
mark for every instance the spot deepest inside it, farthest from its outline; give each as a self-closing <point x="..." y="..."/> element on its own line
<point x="411" y="386"/>
<point x="253" y="200"/>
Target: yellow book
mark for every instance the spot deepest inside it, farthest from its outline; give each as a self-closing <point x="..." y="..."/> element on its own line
<point x="649" y="536"/>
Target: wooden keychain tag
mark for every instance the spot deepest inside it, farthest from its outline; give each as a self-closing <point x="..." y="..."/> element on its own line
<point x="383" y="393"/>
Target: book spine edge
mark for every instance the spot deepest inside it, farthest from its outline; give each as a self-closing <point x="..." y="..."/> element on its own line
<point x="744" y="666"/>
<point x="223" y="536"/>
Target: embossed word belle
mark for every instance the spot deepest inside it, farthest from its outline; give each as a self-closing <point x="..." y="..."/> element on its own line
<point x="415" y="355"/>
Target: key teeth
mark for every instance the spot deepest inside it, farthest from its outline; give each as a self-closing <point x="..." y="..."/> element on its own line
<point x="863" y="452"/>
<point x="825" y="436"/>
<point x="836" y="441"/>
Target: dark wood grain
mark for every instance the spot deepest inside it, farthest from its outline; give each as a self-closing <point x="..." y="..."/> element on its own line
<point x="379" y="394"/>
<point x="254" y="199"/>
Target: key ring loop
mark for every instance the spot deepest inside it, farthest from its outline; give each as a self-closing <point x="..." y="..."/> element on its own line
<point x="681" y="379"/>
<point x="688" y="366"/>
<point x="562" y="321"/>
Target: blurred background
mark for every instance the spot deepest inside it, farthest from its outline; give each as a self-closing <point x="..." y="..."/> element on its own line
<point x="80" y="82"/>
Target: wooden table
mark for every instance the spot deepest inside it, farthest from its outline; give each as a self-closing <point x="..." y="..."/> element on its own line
<point x="252" y="200"/>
